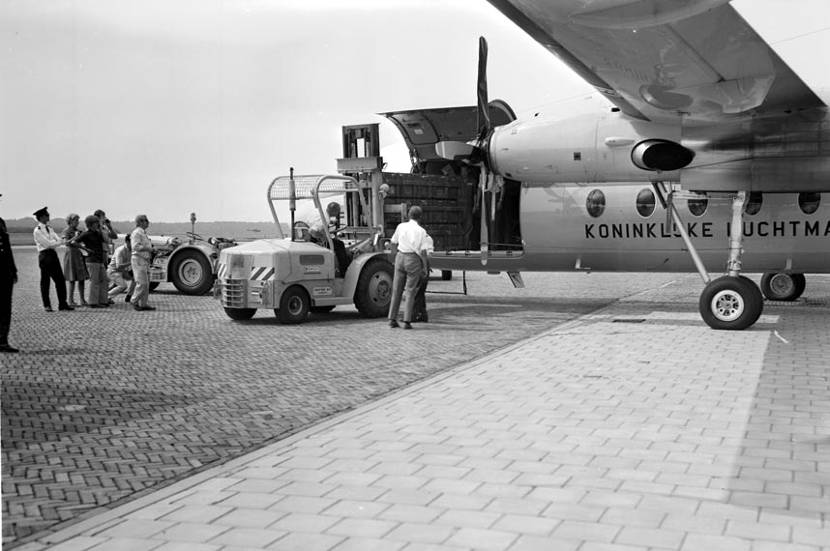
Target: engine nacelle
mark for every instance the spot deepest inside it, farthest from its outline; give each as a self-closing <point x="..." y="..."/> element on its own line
<point x="661" y="155"/>
<point x="586" y="148"/>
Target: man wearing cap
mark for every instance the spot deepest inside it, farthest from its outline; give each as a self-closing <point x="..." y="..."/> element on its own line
<point x="8" y="277"/>
<point x="47" y="258"/>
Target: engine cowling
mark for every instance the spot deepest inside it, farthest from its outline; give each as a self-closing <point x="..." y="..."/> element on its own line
<point x="661" y="155"/>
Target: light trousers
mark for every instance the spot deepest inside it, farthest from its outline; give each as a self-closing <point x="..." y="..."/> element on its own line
<point x="408" y="270"/>
<point x="141" y="276"/>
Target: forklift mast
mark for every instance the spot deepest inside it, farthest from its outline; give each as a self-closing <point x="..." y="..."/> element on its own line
<point x="362" y="161"/>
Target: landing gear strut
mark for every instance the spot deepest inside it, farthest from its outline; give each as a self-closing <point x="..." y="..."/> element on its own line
<point x="733" y="301"/>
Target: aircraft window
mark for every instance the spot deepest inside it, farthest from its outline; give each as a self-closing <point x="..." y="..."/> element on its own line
<point x="698" y="206"/>
<point x="645" y="203"/>
<point x="753" y="203"/>
<point x="808" y="202"/>
<point x="595" y="203"/>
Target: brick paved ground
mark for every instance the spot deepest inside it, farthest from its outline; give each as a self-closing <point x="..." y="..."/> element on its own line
<point x="632" y="428"/>
<point x="104" y="405"/>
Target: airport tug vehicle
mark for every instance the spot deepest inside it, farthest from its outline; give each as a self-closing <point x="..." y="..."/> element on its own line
<point x="189" y="264"/>
<point x="294" y="274"/>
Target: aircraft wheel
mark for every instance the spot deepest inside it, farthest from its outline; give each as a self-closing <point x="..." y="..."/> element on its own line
<point x="294" y="305"/>
<point x="731" y="303"/>
<point x="446" y="275"/>
<point x="240" y="313"/>
<point x="192" y="274"/>
<point x="783" y="286"/>
<point x="321" y="309"/>
<point x="374" y="289"/>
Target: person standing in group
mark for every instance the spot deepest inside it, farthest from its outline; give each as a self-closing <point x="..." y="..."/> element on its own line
<point x="408" y="242"/>
<point x="110" y="237"/>
<point x="141" y="256"/>
<point x="74" y="267"/>
<point x="120" y="270"/>
<point x="108" y="233"/>
<point x="47" y="241"/>
<point x="421" y="295"/>
<point x="8" y="278"/>
<point x="93" y="243"/>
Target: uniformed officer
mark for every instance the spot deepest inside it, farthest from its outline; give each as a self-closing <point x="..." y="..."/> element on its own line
<point x="8" y="277"/>
<point x="47" y="259"/>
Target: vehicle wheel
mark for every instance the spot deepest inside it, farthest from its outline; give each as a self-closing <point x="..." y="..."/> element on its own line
<point x="374" y="289"/>
<point x="153" y="285"/>
<point x="446" y="275"/>
<point x="732" y="303"/>
<point x="321" y="309"/>
<point x="294" y="305"/>
<point x="192" y="273"/>
<point x="240" y="313"/>
<point x="783" y="285"/>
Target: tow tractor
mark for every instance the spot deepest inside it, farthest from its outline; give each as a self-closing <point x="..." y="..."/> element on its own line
<point x="188" y="264"/>
<point x="292" y="275"/>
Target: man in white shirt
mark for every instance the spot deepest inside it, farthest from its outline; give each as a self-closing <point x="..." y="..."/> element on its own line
<point x="141" y="256"/>
<point x="409" y="244"/>
<point x="47" y="241"/>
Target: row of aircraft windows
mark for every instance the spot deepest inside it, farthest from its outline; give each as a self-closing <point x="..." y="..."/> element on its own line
<point x="646" y="203"/>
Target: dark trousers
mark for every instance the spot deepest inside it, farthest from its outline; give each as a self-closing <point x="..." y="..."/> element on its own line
<point x="421" y="300"/>
<point x="6" y="286"/>
<point x="50" y="269"/>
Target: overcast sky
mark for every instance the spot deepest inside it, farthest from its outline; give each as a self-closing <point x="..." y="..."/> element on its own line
<point x="170" y="106"/>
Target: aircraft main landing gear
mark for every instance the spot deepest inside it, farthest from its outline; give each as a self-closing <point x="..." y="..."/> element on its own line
<point x="730" y="302"/>
<point x="783" y="286"/>
<point x="733" y="301"/>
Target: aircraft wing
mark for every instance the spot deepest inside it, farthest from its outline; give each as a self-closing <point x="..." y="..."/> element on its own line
<point x="661" y="59"/>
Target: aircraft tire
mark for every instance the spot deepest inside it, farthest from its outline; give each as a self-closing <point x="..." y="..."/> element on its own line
<point x="731" y="303"/>
<point x="240" y="313"/>
<point x="373" y="293"/>
<point x="446" y="275"/>
<point x="294" y="305"/>
<point x="192" y="273"/>
<point x="783" y="286"/>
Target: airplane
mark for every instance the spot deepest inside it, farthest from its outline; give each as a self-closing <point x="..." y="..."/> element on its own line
<point x="714" y="155"/>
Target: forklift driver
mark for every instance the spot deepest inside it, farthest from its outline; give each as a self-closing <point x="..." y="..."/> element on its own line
<point x="341" y="256"/>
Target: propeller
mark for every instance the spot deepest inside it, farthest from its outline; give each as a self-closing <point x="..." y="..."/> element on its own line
<point x="475" y="153"/>
<point x="484" y="127"/>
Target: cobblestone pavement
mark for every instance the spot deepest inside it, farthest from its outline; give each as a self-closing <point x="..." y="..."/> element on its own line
<point x="632" y="428"/>
<point x="103" y="406"/>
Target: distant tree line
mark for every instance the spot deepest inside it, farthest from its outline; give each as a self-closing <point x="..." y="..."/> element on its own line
<point x="232" y="230"/>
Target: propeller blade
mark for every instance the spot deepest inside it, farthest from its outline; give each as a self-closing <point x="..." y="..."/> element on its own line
<point x="452" y="150"/>
<point x="484" y="238"/>
<point x="481" y="89"/>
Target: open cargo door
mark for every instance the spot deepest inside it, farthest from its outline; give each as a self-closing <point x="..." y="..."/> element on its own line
<point x="448" y="189"/>
<point x="423" y="128"/>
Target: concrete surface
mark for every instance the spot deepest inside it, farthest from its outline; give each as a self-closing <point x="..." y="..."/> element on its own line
<point x="613" y="419"/>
